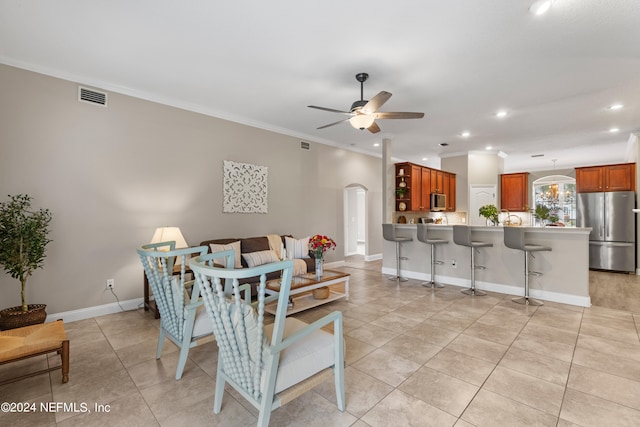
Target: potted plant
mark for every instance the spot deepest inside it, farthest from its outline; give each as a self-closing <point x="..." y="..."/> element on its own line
<point x="23" y="241"/>
<point x="490" y="212"/>
<point x="542" y="212"/>
<point x="400" y="192"/>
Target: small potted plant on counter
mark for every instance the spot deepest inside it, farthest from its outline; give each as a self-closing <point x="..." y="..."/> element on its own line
<point x="23" y="241"/>
<point x="542" y="213"/>
<point x="490" y="212"/>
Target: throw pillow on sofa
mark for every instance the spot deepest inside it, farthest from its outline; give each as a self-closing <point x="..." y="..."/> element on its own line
<point x="297" y="248"/>
<point x="233" y="245"/>
<point x="254" y="259"/>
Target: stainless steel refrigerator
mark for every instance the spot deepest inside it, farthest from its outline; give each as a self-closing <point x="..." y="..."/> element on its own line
<point x="612" y="240"/>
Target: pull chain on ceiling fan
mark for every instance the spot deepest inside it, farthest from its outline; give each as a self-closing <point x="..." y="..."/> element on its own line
<point x="363" y="113"/>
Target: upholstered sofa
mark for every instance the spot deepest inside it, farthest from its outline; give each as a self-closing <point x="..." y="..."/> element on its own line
<point x="255" y="251"/>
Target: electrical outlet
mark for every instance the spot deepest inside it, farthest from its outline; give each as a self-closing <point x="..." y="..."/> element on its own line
<point x="110" y="283"/>
<point x="453" y="263"/>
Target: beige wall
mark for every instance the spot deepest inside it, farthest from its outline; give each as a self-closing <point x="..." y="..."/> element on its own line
<point x="112" y="175"/>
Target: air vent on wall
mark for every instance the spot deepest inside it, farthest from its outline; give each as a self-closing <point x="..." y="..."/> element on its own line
<point x="304" y="145"/>
<point x="92" y="96"/>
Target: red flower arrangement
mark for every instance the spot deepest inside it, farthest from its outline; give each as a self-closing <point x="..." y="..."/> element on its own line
<point x="319" y="244"/>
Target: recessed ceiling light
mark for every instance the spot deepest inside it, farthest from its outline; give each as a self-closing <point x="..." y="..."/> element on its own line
<point x="488" y="147"/>
<point x="376" y="144"/>
<point x="614" y="130"/>
<point x="443" y="144"/>
<point x="501" y="113"/>
<point x="616" y="107"/>
<point x="540" y="7"/>
<point x="425" y="159"/>
<point x="465" y="134"/>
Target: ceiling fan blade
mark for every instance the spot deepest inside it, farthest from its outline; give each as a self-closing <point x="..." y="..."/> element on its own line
<point x="376" y="102"/>
<point x="329" y="109"/>
<point x="374" y="128"/>
<point x="397" y="115"/>
<point x="333" y="124"/>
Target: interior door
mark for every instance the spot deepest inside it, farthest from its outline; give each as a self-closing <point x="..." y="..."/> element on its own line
<point x="480" y="195"/>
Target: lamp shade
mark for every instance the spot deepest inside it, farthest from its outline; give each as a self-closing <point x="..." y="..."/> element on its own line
<point x="361" y="121"/>
<point x="169" y="234"/>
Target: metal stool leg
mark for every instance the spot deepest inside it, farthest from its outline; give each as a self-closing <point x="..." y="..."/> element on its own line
<point x="526" y="300"/>
<point x="472" y="290"/>
<point x="398" y="258"/>
<point x="432" y="283"/>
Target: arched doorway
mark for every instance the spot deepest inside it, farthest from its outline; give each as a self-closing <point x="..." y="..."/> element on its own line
<point x="355" y="220"/>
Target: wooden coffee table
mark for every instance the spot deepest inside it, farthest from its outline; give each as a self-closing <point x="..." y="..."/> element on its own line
<point x="302" y="287"/>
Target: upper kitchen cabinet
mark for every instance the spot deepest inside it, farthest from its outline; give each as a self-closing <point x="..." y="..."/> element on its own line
<point x="450" y="191"/>
<point x="415" y="183"/>
<point x="513" y="191"/>
<point x="620" y="177"/>
<point x="408" y="186"/>
<point x="437" y="183"/>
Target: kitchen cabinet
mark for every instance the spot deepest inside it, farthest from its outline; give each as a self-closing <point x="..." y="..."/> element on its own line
<point x="451" y="193"/>
<point x="418" y="183"/>
<point x="619" y="177"/>
<point x="437" y="184"/>
<point x="514" y="195"/>
<point x="408" y="186"/>
<point x="425" y="197"/>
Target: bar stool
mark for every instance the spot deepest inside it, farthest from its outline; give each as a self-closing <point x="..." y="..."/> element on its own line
<point x="514" y="239"/>
<point x="423" y="236"/>
<point x="462" y="237"/>
<point x="389" y="234"/>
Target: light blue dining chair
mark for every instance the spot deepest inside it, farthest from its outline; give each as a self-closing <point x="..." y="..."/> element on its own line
<point x="269" y="365"/>
<point x="183" y="318"/>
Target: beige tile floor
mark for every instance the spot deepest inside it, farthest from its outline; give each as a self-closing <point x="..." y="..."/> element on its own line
<point x="415" y="357"/>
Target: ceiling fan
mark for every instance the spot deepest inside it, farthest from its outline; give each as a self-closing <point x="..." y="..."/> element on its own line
<point x="363" y="113"/>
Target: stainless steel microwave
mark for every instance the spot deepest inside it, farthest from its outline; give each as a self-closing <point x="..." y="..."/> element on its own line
<point x="438" y="202"/>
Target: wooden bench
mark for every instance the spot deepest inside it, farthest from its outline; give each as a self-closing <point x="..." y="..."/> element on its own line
<point x="35" y="340"/>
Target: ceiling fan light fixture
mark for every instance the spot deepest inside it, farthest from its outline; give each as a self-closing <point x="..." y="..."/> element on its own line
<point x="361" y="121"/>
<point x="540" y="7"/>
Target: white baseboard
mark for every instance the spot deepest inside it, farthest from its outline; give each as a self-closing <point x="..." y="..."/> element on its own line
<point x="497" y="287"/>
<point x="99" y="310"/>
<point x="374" y="257"/>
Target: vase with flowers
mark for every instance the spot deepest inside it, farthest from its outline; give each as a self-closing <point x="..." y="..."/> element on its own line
<point x="318" y="245"/>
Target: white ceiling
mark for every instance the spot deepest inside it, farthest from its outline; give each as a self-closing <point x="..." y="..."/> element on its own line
<point x="459" y="61"/>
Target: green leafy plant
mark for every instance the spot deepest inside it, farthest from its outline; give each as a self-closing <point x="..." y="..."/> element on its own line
<point x="542" y="212"/>
<point x="401" y="191"/>
<point x="23" y="239"/>
<point x="490" y="212"/>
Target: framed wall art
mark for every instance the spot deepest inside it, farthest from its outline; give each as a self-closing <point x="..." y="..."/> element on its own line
<point x="245" y="188"/>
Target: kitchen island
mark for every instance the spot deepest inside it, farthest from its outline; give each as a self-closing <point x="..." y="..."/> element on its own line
<point x="565" y="269"/>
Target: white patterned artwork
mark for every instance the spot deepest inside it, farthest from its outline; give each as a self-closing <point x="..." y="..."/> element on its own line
<point x="245" y="188"/>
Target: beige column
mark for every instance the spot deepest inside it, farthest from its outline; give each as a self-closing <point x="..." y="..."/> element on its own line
<point x="388" y="182"/>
